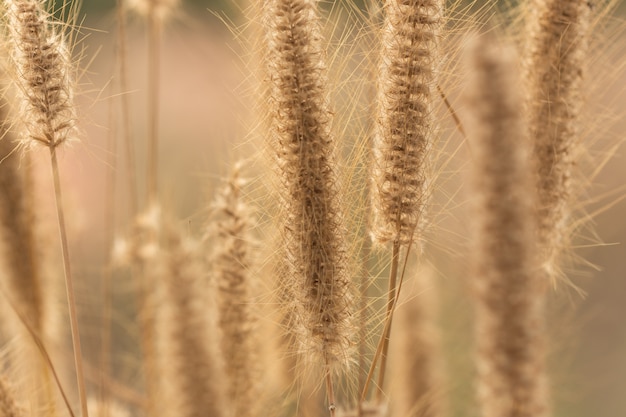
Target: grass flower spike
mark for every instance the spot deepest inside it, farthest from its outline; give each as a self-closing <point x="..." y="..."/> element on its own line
<point x="300" y="119"/>
<point x="404" y="121"/>
<point x="229" y="238"/>
<point x="554" y="63"/>
<point x="43" y="74"/>
<point x="403" y="135"/>
<point x="508" y="284"/>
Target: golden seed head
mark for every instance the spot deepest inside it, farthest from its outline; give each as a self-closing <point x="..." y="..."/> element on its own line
<point x="187" y="331"/>
<point x="230" y="237"/>
<point x="555" y="60"/>
<point x="507" y="283"/>
<point x="404" y="122"/>
<point x="300" y="136"/>
<point x="42" y="73"/>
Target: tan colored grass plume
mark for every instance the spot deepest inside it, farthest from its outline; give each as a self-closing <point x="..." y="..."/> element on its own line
<point x="304" y="150"/>
<point x="17" y="220"/>
<point x="508" y="285"/>
<point x="229" y="242"/>
<point x="403" y="137"/>
<point x="404" y="128"/>
<point x="189" y="336"/>
<point x="554" y="65"/>
<point x="43" y="74"/>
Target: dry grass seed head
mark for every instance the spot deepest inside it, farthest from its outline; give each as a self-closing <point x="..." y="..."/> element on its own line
<point x="404" y="128"/>
<point x="555" y="62"/>
<point x="188" y="336"/>
<point x="43" y="73"/>
<point x="508" y="285"/>
<point x="231" y="258"/>
<point x="300" y="136"/>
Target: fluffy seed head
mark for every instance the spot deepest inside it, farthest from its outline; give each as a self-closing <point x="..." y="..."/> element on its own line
<point x="42" y="73"/>
<point x="230" y="239"/>
<point x="188" y="336"/>
<point x="304" y="148"/>
<point x="554" y="65"/>
<point x="404" y="122"/>
<point x="509" y="287"/>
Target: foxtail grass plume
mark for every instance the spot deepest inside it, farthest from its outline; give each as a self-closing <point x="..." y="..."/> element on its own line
<point x="402" y="136"/>
<point x="42" y="73"/>
<point x="24" y="262"/>
<point x="404" y="128"/>
<point x="304" y="148"/>
<point x="555" y="61"/>
<point x="142" y="251"/>
<point x="191" y="367"/>
<point x="230" y="242"/>
<point x="509" y="287"/>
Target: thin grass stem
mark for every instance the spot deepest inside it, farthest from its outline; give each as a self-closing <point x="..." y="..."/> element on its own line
<point x="130" y="149"/>
<point x="69" y="285"/>
<point x="153" y="103"/>
<point x="391" y="302"/>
